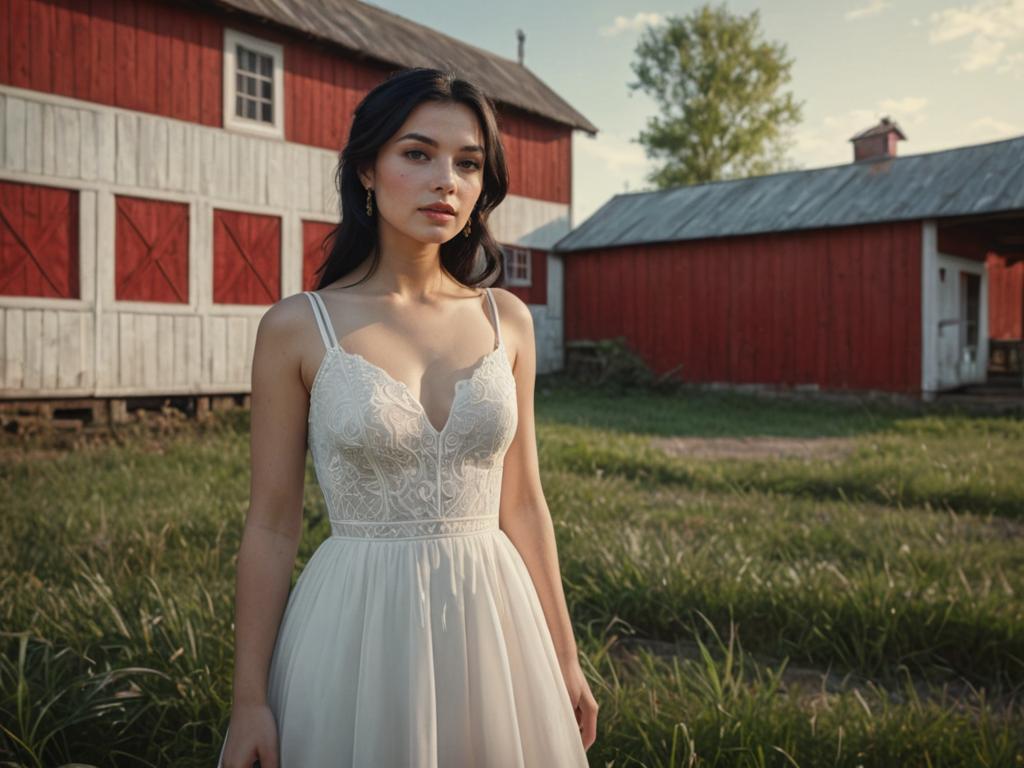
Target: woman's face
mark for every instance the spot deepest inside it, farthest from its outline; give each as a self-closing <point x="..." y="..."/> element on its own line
<point x="441" y="163"/>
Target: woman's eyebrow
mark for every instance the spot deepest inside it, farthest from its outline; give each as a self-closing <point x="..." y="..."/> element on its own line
<point x="431" y="142"/>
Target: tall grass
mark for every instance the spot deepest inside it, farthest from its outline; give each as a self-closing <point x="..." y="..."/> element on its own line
<point x="862" y="611"/>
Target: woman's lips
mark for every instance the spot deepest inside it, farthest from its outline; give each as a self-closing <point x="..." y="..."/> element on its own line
<point x="437" y="215"/>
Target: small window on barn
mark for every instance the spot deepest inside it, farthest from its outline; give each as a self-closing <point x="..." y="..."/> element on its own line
<point x="517" y="265"/>
<point x="253" y="84"/>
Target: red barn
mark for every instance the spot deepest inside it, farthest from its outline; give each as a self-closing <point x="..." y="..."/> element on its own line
<point x="166" y="175"/>
<point x="891" y="274"/>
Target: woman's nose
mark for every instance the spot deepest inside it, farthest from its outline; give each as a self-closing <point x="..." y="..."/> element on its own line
<point x="446" y="175"/>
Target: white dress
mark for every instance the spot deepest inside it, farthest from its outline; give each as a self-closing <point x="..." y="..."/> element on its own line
<point x="415" y="637"/>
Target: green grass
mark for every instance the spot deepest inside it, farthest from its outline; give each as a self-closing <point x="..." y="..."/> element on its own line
<point x="857" y="611"/>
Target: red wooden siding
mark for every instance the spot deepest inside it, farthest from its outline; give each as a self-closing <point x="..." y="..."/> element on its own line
<point x="538" y="154"/>
<point x="1005" y="298"/>
<point x="151" y="250"/>
<point x="313" y="253"/>
<point x="167" y="59"/>
<point x="967" y="244"/>
<point x="321" y="91"/>
<point x="38" y="241"/>
<point x="246" y="258"/>
<point x="136" y="54"/>
<point x="840" y="308"/>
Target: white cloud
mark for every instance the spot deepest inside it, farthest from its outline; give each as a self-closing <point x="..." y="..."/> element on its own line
<point x="992" y="129"/>
<point x="829" y="142"/>
<point x="992" y="29"/>
<point x="911" y="106"/>
<point x="905" y="111"/>
<point x="632" y="23"/>
<point x="873" y="8"/>
<point x="852" y="121"/>
<point x="618" y="154"/>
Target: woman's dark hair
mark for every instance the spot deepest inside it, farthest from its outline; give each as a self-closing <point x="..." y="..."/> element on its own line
<point x="379" y="115"/>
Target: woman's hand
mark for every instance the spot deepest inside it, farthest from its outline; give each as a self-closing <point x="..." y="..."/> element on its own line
<point x="252" y="736"/>
<point x="583" y="701"/>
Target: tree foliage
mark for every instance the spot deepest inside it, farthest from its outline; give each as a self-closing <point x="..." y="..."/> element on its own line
<point x="717" y="85"/>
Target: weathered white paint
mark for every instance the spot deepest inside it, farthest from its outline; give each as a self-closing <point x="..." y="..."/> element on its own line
<point x="942" y="355"/>
<point x="539" y="224"/>
<point x="548" y="321"/>
<point x="97" y="346"/>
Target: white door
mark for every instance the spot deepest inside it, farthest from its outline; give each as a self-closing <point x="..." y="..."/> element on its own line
<point x="959" y="351"/>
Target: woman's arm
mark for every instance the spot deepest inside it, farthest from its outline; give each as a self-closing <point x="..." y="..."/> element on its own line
<point x="525" y="518"/>
<point x="273" y="525"/>
<point x="524" y="514"/>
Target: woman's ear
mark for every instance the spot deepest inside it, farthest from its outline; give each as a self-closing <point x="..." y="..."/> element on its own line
<point x="366" y="178"/>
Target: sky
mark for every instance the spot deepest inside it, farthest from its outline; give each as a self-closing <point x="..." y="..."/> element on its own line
<point x="950" y="73"/>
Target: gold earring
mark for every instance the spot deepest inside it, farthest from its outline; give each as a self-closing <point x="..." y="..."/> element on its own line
<point x="369" y="203"/>
<point x="465" y="231"/>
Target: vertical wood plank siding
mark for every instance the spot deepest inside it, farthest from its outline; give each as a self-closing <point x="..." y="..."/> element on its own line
<point x="1005" y="298"/>
<point x="168" y="60"/>
<point x="840" y="308"/>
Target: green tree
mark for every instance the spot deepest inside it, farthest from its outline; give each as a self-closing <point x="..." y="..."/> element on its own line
<point x="717" y="85"/>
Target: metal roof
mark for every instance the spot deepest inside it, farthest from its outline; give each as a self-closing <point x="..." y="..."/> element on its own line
<point x="983" y="178"/>
<point x="387" y="37"/>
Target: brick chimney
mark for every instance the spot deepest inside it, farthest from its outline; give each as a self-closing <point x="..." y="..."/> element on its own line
<point x="877" y="142"/>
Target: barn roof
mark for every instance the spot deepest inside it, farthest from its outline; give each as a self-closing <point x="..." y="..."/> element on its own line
<point x="392" y="39"/>
<point x="983" y="178"/>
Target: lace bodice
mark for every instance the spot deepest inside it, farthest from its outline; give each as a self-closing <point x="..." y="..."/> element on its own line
<point x="384" y="469"/>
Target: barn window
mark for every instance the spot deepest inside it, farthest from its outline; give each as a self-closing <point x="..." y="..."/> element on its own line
<point x="253" y="84"/>
<point x="517" y="265"/>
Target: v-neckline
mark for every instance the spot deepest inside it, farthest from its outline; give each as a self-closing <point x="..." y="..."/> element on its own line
<point x="478" y="366"/>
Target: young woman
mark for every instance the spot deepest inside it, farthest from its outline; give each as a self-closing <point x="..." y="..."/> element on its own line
<point x="430" y="628"/>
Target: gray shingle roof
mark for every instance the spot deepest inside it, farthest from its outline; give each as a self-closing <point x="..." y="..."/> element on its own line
<point x="983" y="178"/>
<point x="387" y="37"/>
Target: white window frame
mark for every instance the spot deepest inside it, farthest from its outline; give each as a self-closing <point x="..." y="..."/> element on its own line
<point x="511" y="252"/>
<point x="233" y="37"/>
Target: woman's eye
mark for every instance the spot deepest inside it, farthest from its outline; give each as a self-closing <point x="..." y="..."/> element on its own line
<point x="472" y="163"/>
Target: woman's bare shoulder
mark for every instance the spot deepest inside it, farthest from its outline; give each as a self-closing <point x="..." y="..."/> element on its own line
<point x="512" y="309"/>
<point x="287" y="317"/>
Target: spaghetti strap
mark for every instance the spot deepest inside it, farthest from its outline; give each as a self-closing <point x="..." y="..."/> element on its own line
<point x="323" y="320"/>
<point x="494" y="315"/>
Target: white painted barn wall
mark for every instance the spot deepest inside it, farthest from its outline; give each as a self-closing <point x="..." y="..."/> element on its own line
<point x="95" y="346"/>
<point x="539" y="224"/>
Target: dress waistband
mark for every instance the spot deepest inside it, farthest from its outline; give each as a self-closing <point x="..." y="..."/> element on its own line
<point x="412" y="529"/>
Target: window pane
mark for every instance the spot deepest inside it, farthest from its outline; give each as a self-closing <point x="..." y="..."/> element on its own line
<point x="250" y="109"/>
<point x="266" y="89"/>
<point x="268" y="113"/>
<point x="266" y="66"/>
<point x="239" y="83"/>
<point x="239" y="106"/>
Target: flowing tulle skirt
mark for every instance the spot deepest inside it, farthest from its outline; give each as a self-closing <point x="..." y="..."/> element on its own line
<point x="420" y="653"/>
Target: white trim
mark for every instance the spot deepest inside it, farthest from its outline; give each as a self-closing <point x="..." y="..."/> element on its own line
<point x="233" y="37"/>
<point x="931" y="260"/>
<point x="929" y="309"/>
<point x="512" y="280"/>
